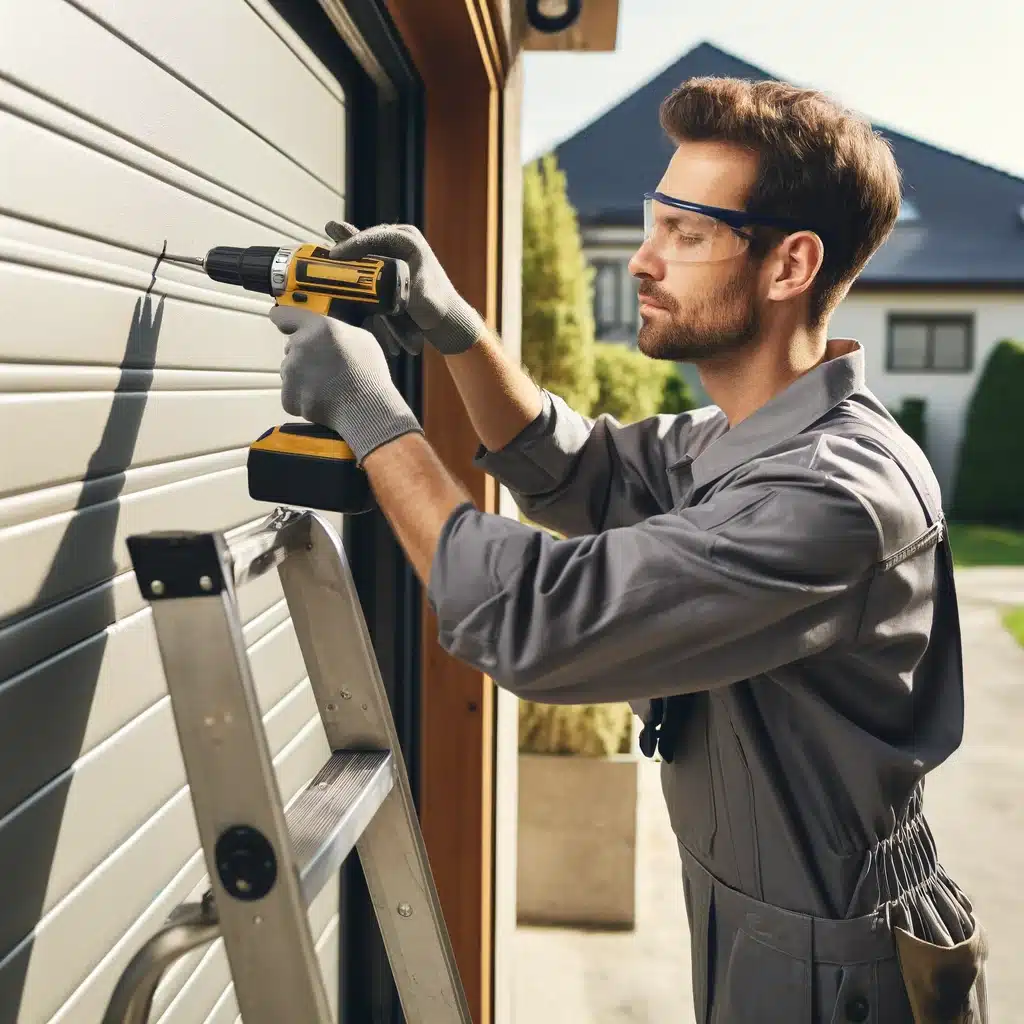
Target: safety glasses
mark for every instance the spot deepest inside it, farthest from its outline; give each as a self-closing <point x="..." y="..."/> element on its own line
<point x="679" y="231"/>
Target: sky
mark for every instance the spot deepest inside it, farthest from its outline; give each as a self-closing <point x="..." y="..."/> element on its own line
<point x="948" y="73"/>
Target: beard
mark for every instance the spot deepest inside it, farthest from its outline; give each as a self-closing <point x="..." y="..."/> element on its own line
<point x="717" y="325"/>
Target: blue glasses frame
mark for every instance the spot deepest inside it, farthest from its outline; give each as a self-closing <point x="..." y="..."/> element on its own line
<point x="736" y="219"/>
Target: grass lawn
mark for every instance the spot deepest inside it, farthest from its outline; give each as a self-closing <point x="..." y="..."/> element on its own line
<point x="1013" y="620"/>
<point x="986" y="545"/>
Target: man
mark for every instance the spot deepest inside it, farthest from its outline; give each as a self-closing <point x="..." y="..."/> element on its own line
<point x="766" y="580"/>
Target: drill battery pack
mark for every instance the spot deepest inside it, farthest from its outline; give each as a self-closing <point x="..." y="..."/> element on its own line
<point x="308" y="466"/>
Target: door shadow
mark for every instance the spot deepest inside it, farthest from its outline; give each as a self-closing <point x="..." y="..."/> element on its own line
<point x="49" y="735"/>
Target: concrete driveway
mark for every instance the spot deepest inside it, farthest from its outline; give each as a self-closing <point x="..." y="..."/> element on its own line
<point x="975" y="804"/>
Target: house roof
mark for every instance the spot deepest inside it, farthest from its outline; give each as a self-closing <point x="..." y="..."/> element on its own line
<point x="969" y="228"/>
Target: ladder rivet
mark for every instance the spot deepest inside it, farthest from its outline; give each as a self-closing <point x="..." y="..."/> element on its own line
<point x="205" y="583"/>
<point x="332" y="706"/>
<point x="405" y="910"/>
<point x="346" y="695"/>
<point x="157" y="587"/>
<point x="323" y="785"/>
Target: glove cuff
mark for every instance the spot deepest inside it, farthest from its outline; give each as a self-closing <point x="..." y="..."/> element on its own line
<point x="460" y="329"/>
<point x="383" y="416"/>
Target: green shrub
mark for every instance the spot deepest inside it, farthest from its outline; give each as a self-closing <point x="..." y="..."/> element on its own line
<point x="990" y="481"/>
<point x="1013" y="620"/>
<point x="630" y="385"/>
<point x="558" y="318"/>
<point x="587" y="730"/>
<point x="676" y="396"/>
<point x="910" y="416"/>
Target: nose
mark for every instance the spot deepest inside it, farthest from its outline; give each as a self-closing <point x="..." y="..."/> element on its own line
<point x="644" y="263"/>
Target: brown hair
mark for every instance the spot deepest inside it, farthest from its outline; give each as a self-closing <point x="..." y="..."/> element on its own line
<point x="819" y="164"/>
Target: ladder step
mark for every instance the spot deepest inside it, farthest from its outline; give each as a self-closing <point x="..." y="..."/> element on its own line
<point x="326" y="821"/>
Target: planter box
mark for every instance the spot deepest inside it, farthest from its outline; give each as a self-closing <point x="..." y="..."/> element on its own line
<point x="577" y="841"/>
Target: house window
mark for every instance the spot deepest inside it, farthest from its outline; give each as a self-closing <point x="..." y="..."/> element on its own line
<point x="930" y="344"/>
<point x="616" y="309"/>
<point x="606" y="295"/>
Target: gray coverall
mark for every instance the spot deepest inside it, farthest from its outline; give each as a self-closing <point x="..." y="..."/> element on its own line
<point x="777" y="602"/>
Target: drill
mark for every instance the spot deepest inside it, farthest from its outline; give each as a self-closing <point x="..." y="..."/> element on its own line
<point x="302" y="463"/>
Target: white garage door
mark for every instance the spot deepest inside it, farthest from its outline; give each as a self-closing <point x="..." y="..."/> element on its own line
<point x="126" y="405"/>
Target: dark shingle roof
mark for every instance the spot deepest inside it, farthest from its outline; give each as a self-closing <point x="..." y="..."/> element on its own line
<point x="969" y="231"/>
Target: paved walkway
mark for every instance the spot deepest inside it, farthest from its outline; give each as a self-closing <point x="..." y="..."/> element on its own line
<point x="975" y="804"/>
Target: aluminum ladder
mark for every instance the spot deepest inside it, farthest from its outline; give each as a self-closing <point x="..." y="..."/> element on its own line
<point x="265" y="865"/>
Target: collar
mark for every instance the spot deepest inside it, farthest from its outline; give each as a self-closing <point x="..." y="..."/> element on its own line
<point x="791" y="411"/>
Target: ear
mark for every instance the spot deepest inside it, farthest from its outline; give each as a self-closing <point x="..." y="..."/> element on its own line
<point x="796" y="262"/>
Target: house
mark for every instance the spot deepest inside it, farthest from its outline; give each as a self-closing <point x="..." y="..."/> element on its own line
<point x="129" y="393"/>
<point x="944" y="288"/>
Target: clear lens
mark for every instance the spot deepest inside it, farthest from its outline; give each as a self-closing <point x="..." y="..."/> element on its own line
<point x="683" y="236"/>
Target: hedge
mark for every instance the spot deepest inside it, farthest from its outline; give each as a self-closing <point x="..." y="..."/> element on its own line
<point x="911" y="417"/>
<point x="586" y="730"/>
<point x="990" y="481"/>
<point x="632" y="386"/>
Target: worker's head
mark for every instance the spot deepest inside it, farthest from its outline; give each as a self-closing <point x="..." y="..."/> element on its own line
<point x="824" y="180"/>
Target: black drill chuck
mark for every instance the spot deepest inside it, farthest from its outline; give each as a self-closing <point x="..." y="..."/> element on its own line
<point x="247" y="267"/>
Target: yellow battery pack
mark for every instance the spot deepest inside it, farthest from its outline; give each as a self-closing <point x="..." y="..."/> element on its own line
<point x="308" y="466"/>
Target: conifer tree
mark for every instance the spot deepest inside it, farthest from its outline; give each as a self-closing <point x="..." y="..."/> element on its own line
<point x="558" y="319"/>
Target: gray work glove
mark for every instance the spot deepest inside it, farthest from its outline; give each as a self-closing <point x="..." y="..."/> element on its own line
<point x="436" y="310"/>
<point x="337" y="376"/>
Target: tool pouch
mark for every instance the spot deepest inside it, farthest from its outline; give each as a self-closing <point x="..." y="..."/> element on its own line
<point x="945" y="984"/>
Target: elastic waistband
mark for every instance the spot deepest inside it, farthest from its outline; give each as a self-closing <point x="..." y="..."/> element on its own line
<point x="906" y="861"/>
<point x="812" y="939"/>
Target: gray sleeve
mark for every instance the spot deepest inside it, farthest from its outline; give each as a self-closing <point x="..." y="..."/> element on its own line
<point x="578" y="475"/>
<point x="762" y="574"/>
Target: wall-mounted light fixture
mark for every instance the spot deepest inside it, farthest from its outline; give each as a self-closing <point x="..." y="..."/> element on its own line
<point x="552" y="15"/>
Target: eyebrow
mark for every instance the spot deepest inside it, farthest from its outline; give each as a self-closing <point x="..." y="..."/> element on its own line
<point x="677" y="216"/>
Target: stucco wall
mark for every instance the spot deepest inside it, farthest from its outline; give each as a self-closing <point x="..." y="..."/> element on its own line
<point x="863" y="316"/>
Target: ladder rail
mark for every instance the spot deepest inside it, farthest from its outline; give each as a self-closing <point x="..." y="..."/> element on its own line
<point x="342" y="668"/>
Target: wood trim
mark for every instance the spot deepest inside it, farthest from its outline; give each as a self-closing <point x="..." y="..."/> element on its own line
<point x="455" y="46"/>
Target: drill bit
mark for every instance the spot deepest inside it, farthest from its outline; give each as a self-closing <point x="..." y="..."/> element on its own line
<point x="194" y="261"/>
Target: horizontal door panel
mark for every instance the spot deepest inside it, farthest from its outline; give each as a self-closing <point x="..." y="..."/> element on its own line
<point x="51" y="559"/>
<point x="49" y="378"/>
<point x="121" y="204"/>
<point x="226" y="1010"/>
<point x="101" y="434"/>
<point x="41" y="48"/>
<point x="34" y="639"/>
<point x="78" y="495"/>
<point x="26" y="243"/>
<point x="54" y="839"/>
<point x="87" y="683"/>
<point x="65" y="831"/>
<point x="327" y="950"/>
<point x="224" y="50"/>
<point x="292" y="713"/>
<point x="114" y="326"/>
<point x="120" y="905"/>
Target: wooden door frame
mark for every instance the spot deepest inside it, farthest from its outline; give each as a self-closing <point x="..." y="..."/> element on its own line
<point x="460" y="53"/>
